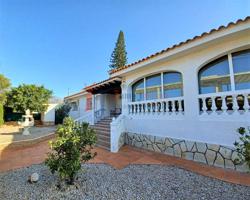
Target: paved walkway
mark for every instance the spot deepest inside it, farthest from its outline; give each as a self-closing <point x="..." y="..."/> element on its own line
<point x="17" y="157"/>
<point x="10" y="134"/>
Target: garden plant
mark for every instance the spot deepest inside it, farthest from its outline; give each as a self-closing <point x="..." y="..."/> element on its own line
<point x="243" y="146"/>
<point x="73" y="145"/>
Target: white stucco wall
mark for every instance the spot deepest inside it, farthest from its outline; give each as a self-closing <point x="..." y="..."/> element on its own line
<point x="213" y="129"/>
<point x="49" y="115"/>
<point x="81" y="101"/>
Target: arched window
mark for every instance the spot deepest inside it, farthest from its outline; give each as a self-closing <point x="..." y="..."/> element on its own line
<point x="158" y="86"/>
<point x="138" y="91"/>
<point x="231" y="72"/>
<point x="153" y="87"/>
<point x="241" y="68"/>
<point x="215" y="77"/>
<point x="172" y="84"/>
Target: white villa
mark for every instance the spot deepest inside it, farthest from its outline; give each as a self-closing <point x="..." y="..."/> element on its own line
<point x="187" y="100"/>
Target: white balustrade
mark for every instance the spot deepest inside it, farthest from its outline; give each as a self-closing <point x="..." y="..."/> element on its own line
<point x="180" y="106"/>
<point x="157" y="106"/>
<point x="213" y="104"/>
<point x="204" y="107"/>
<point x="225" y="102"/>
<point x="235" y="102"/>
<point x="246" y="102"/>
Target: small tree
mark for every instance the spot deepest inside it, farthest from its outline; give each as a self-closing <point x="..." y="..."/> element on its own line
<point x="29" y="97"/>
<point x="243" y="146"/>
<point x="61" y="112"/>
<point x="72" y="146"/>
<point x="4" y="85"/>
<point x="119" y="55"/>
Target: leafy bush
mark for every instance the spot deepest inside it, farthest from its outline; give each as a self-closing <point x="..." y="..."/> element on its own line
<point x="29" y="97"/>
<point x="1" y="115"/>
<point x="243" y="146"/>
<point x="72" y="146"/>
<point x="62" y="112"/>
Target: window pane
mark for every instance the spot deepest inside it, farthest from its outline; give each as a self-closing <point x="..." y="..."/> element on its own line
<point x="138" y="91"/>
<point x="215" y="77"/>
<point x="153" y="87"/>
<point x="241" y="64"/>
<point x="74" y="106"/>
<point x="172" y="84"/>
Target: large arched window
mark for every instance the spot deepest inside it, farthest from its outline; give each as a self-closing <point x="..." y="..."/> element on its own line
<point x="153" y="87"/>
<point x="215" y="77"/>
<point x="231" y="72"/>
<point x="163" y="85"/>
<point x="241" y="68"/>
<point x="138" y="91"/>
<point x="172" y="84"/>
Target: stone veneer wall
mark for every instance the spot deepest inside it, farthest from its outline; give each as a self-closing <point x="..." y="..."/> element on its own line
<point x="210" y="154"/>
<point x="121" y="141"/>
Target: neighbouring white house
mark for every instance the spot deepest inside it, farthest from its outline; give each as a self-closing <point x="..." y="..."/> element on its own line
<point x="187" y="100"/>
<point x="48" y="117"/>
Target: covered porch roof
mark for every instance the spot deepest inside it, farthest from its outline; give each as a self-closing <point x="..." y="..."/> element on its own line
<point x="109" y="86"/>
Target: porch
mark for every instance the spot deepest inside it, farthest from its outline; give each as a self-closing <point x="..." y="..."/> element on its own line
<point x="106" y="98"/>
<point x="106" y="106"/>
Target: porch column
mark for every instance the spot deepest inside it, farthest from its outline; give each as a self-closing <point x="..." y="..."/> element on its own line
<point x="124" y="99"/>
<point x="190" y="92"/>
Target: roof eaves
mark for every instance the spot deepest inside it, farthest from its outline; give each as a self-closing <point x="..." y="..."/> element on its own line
<point x="180" y="44"/>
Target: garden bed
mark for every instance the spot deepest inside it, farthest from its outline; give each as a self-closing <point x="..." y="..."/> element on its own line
<point x="133" y="182"/>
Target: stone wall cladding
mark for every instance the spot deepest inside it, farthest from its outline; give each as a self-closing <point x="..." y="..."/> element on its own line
<point x="121" y="141"/>
<point x="210" y="154"/>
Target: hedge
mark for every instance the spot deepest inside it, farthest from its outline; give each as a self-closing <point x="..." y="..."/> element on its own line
<point x="1" y="115"/>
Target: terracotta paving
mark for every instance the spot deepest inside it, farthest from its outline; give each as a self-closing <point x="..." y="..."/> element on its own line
<point x="17" y="157"/>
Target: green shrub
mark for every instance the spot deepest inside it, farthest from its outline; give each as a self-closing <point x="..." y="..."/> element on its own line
<point x="243" y="146"/>
<point x="1" y="115"/>
<point x="72" y="146"/>
<point x="62" y="112"/>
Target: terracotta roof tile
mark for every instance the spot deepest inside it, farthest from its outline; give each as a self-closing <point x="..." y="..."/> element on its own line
<point x="179" y="44"/>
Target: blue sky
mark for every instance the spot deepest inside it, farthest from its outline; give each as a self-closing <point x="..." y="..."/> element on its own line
<point x="66" y="44"/>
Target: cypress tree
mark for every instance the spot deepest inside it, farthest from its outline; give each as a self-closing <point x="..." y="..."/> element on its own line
<point x="119" y="55"/>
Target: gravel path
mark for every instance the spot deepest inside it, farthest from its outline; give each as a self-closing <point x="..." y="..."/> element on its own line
<point x="133" y="182"/>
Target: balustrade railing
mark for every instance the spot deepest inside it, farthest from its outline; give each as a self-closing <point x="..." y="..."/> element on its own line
<point x="99" y="114"/>
<point x="170" y="105"/>
<point x="225" y="102"/>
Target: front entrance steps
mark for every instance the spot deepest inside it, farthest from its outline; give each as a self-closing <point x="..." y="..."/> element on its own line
<point x="102" y="129"/>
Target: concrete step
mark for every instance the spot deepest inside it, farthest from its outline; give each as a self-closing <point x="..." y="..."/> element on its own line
<point x="103" y="147"/>
<point x="105" y="138"/>
<point x="103" y="144"/>
<point x="102" y="129"/>
<point x="102" y="125"/>
<point x="107" y="118"/>
<point x="105" y="133"/>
